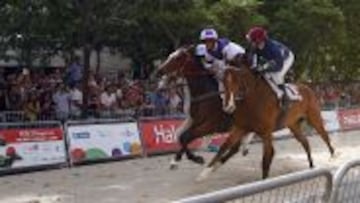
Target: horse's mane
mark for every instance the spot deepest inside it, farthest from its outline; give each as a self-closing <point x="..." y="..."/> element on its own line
<point x="203" y="76"/>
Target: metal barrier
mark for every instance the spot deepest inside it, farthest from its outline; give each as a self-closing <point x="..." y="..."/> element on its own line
<point x="347" y="183"/>
<point x="13" y="116"/>
<point x="30" y="124"/>
<point x="303" y="186"/>
<point x="19" y="116"/>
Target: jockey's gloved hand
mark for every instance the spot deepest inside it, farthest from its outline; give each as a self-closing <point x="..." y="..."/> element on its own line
<point x="262" y="68"/>
<point x="267" y="67"/>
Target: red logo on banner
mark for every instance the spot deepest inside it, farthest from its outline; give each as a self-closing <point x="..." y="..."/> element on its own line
<point x="159" y="136"/>
<point x="349" y="119"/>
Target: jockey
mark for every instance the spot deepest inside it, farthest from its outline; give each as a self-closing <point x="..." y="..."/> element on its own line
<point x="278" y="59"/>
<point x="215" y="67"/>
<point x="218" y="52"/>
<point x="220" y="49"/>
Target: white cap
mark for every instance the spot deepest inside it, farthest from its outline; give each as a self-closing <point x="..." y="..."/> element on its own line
<point x="200" y="50"/>
<point x="208" y="34"/>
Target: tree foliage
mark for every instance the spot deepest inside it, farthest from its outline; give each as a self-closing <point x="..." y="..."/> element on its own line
<point x="324" y="34"/>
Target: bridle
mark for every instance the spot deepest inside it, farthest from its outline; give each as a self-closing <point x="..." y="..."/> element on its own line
<point x="242" y="84"/>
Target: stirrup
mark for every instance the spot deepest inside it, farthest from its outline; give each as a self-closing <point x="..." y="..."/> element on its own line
<point x="284" y="102"/>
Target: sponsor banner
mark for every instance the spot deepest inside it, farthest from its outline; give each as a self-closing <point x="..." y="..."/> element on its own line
<point x="159" y="136"/>
<point x="349" y="119"/>
<point x="331" y="120"/>
<point x="103" y="141"/>
<point x="20" y="148"/>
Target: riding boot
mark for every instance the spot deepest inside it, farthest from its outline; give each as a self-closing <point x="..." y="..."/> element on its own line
<point x="284" y="101"/>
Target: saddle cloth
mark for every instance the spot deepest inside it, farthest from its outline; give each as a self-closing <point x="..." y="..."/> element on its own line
<point x="292" y="91"/>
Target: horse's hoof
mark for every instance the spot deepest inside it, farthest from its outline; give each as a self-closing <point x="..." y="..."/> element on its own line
<point x="336" y="154"/>
<point x="217" y="166"/>
<point x="199" y="160"/>
<point x="204" y="174"/>
<point x="174" y="167"/>
<point x="245" y="152"/>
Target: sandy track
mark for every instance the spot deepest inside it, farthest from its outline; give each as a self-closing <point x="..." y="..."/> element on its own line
<point x="149" y="179"/>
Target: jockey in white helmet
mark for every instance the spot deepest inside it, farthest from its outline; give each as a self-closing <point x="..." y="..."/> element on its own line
<point x="221" y="49"/>
<point x="217" y="53"/>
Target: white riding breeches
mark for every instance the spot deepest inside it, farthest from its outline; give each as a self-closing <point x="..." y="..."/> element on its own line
<point x="279" y="77"/>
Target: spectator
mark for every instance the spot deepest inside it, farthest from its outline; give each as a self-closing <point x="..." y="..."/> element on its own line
<point x="32" y="107"/>
<point x="74" y="73"/>
<point x="47" y="106"/>
<point x="174" y="101"/>
<point x="134" y="94"/>
<point x="108" y="101"/>
<point x="122" y="79"/>
<point x="345" y="100"/>
<point x="14" y="100"/>
<point x="76" y="98"/>
<point x="161" y="102"/>
<point x="92" y="81"/>
<point x="93" y="104"/>
<point x="61" y="100"/>
<point x="148" y="108"/>
<point x="2" y="99"/>
<point x="56" y="76"/>
<point x="331" y="97"/>
<point x="119" y="93"/>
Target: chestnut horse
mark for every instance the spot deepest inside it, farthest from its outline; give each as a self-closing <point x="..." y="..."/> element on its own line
<point x="258" y="111"/>
<point x="203" y="105"/>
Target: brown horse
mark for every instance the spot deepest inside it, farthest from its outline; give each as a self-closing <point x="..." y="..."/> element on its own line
<point x="258" y="111"/>
<point x="204" y="106"/>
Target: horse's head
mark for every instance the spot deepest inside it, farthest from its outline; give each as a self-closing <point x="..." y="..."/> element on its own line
<point x="177" y="65"/>
<point x="237" y="83"/>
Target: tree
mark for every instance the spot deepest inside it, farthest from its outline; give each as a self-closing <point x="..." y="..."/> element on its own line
<point x="350" y="63"/>
<point x="314" y="30"/>
<point x="233" y="18"/>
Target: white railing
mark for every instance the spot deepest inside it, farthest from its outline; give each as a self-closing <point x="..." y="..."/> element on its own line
<point x="347" y="183"/>
<point x="273" y="184"/>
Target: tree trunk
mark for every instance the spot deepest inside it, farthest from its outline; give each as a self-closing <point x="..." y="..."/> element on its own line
<point x="98" y="61"/>
<point x="86" y="43"/>
<point x="85" y="86"/>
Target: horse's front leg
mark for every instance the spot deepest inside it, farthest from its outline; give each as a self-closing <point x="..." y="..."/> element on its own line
<point x="174" y="162"/>
<point x="185" y="139"/>
<point x="232" y="142"/>
<point x="182" y="137"/>
<point x="236" y="146"/>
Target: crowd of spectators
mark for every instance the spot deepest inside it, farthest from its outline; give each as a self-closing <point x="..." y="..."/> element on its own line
<point x="56" y="94"/>
<point x="338" y="94"/>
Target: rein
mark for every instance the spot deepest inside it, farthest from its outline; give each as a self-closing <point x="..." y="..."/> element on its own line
<point x="206" y="96"/>
<point x="182" y="71"/>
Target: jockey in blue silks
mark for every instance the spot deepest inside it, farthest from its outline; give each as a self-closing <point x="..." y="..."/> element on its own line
<point x="278" y="60"/>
